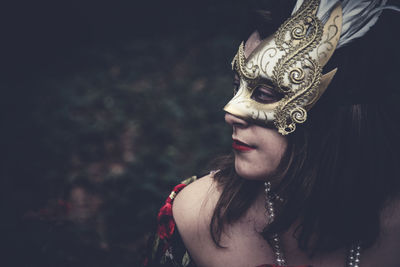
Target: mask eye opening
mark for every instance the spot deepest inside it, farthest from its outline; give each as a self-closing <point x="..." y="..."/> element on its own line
<point x="266" y="94"/>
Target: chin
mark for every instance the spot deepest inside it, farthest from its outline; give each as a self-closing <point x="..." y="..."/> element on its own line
<point x="248" y="172"/>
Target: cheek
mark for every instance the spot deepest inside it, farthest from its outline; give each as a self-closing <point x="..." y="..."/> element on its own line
<point x="274" y="152"/>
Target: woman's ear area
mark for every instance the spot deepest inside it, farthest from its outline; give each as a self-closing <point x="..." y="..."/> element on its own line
<point x="252" y="42"/>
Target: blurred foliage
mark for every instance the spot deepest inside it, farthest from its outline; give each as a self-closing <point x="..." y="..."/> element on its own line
<point x="110" y="142"/>
<point x="108" y="106"/>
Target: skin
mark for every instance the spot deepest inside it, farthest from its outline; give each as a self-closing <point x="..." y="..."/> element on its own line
<point x="194" y="205"/>
<point x="269" y="146"/>
<point x="192" y="211"/>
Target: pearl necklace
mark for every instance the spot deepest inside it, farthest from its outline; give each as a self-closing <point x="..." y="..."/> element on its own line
<point x="353" y="259"/>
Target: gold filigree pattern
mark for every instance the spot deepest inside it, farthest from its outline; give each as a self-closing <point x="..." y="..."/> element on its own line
<point x="248" y="73"/>
<point x="292" y="59"/>
<point x="305" y="30"/>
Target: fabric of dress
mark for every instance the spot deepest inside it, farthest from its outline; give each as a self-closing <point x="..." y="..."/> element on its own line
<point x="166" y="248"/>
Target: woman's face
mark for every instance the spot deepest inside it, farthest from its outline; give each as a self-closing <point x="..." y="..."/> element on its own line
<point x="258" y="150"/>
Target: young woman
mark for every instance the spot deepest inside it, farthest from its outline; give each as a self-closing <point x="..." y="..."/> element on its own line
<point x="313" y="179"/>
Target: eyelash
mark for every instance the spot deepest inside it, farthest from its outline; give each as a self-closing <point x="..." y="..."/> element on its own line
<point x="265" y="95"/>
<point x="262" y="93"/>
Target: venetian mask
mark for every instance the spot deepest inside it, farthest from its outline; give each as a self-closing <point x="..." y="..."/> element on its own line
<point x="287" y="67"/>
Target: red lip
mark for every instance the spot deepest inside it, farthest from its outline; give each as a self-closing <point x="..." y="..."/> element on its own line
<point x="240" y="146"/>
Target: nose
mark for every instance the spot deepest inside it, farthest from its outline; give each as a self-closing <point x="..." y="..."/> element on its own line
<point x="235" y="121"/>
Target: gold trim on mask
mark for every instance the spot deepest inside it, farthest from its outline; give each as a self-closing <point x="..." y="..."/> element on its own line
<point x="292" y="59"/>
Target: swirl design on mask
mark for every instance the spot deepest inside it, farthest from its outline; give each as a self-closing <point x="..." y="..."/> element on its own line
<point x="290" y="62"/>
<point x="299" y="115"/>
<point x="265" y="56"/>
<point x="298" y="32"/>
<point x="296" y="74"/>
<point x="327" y="44"/>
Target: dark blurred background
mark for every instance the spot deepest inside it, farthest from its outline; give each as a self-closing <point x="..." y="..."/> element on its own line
<point x="106" y="105"/>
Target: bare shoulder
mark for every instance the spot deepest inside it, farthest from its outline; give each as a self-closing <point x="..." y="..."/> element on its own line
<point x="193" y="206"/>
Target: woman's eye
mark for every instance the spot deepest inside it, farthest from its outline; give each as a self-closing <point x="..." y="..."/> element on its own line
<point x="264" y="94"/>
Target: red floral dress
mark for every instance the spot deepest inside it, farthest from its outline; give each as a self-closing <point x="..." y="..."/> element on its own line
<point x="166" y="247"/>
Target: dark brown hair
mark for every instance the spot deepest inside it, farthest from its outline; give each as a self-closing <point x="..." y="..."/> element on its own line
<point x="336" y="175"/>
